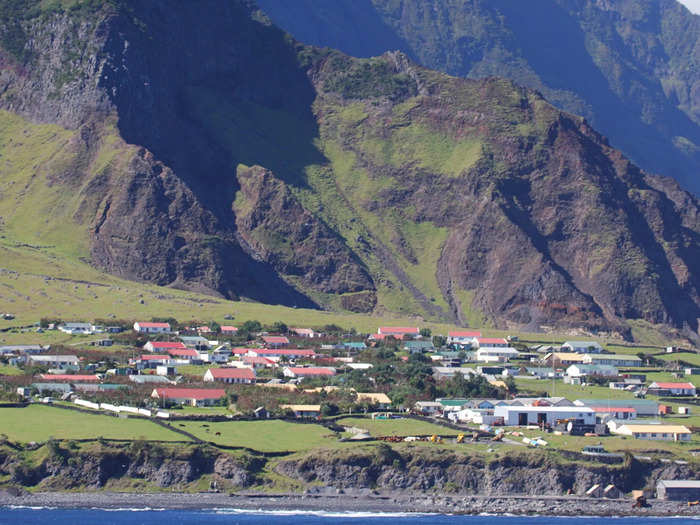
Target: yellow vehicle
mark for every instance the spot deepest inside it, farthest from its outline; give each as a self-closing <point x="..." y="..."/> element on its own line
<point x="460" y="438"/>
<point x="435" y="439"/>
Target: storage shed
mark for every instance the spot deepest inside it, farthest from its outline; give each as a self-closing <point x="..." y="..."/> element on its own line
<point x="678" y="490"/>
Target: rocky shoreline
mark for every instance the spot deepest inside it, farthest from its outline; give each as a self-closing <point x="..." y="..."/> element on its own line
<point x="351" y="502"/>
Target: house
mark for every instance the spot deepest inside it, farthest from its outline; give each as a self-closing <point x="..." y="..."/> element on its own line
<point x="491" y="342"/>
<point x="183" y="355"/>
<point x="166" y="370"/>
<point x="77" y="328"/>
<point x="230" y="375"/>
<point x="301" y="411"/>
<point x="643" y="407"/>
<point x="655" y="432"/>
<point x="54" y="361"/>
<point x="163" y="346"/>
<point x="496" y="354"/>
<point x="288" y="353"/>
<point x="582" y="347"/>
<point x="477" y="416"/>
<point x="604" y="413"/>
<point x="275" y="341"/>
<point x="303" y="372"/>
<point x="257" y="362"/>
<point x="678" y="490"/>
<point x="418" y="347"/>
<point x="229" y="330"/>
<point x="359" y="366"/>
<point x="190" y="396"/>
<point x="204" y="330"/>
<point x="381" y="401"/>
<point x="395" y="331"/>
<point x="619" y="360"/>
<point x="305" y="332"/>
<point x="62" y="388"/>
<point x="149" y="379"/>
<point x="70" y="378"/>
<point x="448" y="372"/>
<point x="195" y="341"/>
<point x="539" y="402"/>
<point x="151" y="360"/>
<point x="356" y="346"/>
<point x="558" y="359"/>
<point x="581" y="370"/>
<point x="462" y="337"/>
<point x="151" y="328"/>
<point x="541" y="372"/>
<point x="537" y="415"/>
<point x="428" y="408"/>
<point x="671" y="389"/>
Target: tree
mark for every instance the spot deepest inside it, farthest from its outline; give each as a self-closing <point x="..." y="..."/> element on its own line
<point x="280" y="327"/>
<point x="251" y="326"/>
<point x="425" y="332"/>
<point x="439" y="341"/>
<point x="329" y="409"/>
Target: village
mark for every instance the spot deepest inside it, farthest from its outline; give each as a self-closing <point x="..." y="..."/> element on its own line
<point x="400" y="384"/>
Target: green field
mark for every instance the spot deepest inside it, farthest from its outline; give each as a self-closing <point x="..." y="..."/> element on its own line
<point x="396" y="427"/>
<point x="39" y="423"/>
<point x="264" y="436"/>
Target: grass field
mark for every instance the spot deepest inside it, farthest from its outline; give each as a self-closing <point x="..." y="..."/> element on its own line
<point x="9" y="370"/>
<point x="264" y="436"/>
<point x="396" y="427"/>
<point x="39" y="423"/>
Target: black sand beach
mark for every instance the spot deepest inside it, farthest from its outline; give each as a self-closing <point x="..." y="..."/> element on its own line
<point x="384" y="502"/>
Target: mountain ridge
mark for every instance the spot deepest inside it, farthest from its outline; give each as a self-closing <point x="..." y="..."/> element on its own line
<point x="631" y="68"/>
<point x="306" y="177"/>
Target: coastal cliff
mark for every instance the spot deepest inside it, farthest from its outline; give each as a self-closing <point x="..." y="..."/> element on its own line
<point x="58" y="466"/>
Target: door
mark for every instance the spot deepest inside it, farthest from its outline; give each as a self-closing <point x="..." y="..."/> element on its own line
<point x="522" y="419"/>
<point x="541" y="418"/>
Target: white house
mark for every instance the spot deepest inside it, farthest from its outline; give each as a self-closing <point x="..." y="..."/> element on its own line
<point x="591" y="370"/>
<point x="536" y="415"/>
<point x="674" y="389"/>
<point x="612" y="360"/>
<point x="582" y="347"/>
<point x="655" y="432"/>
<point x="54" y="361"/>
<point x="78" y="328"/>
<point x="230" y="375"/>
<point x="495" y="354"/>
<point x="428" y="408"/>
<point x="151" y="328"/>
<point x="310" y="371"/>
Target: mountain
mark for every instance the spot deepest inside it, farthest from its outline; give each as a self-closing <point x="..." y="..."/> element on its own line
<point x="631" y="67"/>
<point x="201" y="147"/>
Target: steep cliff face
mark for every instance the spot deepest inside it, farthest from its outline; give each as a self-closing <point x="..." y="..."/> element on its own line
<point x="200" y="147"/>
<point x="64" y="469"/>
<point x="519" y="474"/>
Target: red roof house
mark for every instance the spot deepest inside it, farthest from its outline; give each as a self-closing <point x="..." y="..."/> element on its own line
<point x="230" y="375"/>
<point x="183" y="353"/>
<point x="229" y="329"/>
<point x="151" y="328"/>
<point x="275" y="341"/>
<point x="157" y="346"/>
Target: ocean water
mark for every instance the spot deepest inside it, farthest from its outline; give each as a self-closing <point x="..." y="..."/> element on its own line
<point x="28" y="516"/>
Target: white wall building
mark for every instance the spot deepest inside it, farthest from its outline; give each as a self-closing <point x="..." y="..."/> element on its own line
<point x="523" y="415"/>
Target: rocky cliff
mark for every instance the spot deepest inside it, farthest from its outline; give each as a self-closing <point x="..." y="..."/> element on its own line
<point x="525" y="473"/>
<point x="201" y="147"/>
